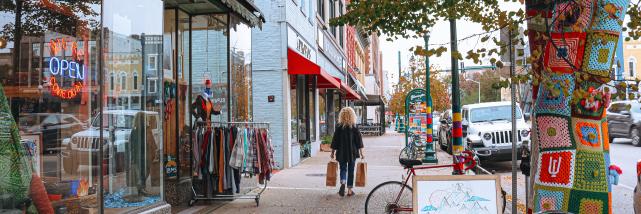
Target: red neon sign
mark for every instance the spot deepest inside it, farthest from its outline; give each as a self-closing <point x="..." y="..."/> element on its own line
<point x="68" y="93"/>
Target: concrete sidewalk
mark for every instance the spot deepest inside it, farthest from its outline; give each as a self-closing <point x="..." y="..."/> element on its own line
<point x="301" y="189"/>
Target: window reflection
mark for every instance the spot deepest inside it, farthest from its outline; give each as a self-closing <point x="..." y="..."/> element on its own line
<point x="241" y="69"/>
<point x="49" y="74"/>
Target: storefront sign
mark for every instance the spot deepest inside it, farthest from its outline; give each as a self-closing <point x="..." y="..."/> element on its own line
<point x="332" y="53"/>
<point x="297" y="43"/>
<point x="60" y="67"/>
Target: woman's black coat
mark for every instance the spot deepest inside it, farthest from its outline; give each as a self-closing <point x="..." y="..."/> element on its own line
<point x="347" y="141"/>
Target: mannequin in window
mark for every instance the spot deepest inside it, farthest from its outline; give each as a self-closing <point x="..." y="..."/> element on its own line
<point x="203" y="107"/>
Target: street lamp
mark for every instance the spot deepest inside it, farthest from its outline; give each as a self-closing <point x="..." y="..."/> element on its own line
<point x="479" y="83"/>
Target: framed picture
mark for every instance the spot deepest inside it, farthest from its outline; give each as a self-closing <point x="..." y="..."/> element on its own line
<point x="33" y="148"/>
<point x="462" y="194"/>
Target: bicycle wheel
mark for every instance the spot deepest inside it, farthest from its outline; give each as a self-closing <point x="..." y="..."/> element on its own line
<point x="409" y="152"/>
<point x="382" y="199"/>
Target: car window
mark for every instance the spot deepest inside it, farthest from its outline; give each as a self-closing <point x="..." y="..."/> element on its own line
<point x="465" y="115"/>
<point x="51" y="120"/>
<point x="616" y="107"/>
<point x="493" y="113"/>
<point x="635" y="108"/>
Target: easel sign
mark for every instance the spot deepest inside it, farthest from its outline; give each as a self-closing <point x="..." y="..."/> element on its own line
<point x="436" y="194"/>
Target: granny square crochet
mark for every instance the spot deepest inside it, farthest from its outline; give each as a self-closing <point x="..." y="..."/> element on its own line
<point x="590" y="172"/>
<point x="559" y="104"/>
<point x="567" y="46"/>
<point x="587" y="134"/>
<point x="588" y="202"/>
<point x="556" y="168"/>
<point x="577" y="16"/>
<point x="599" y="52"/>
<point x="554" y="132"/>
<point x="609" y="16"/>
<point x="551" y="198"/>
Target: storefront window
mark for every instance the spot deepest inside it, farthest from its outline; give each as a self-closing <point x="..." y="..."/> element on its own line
<point x="50" y="92"/>
<point x="241" y="69"/>
<point x="312" y="108"/>
<point x="132" y="133"/>
<point x="322" y="112"/>
<point x="294" y="111"/>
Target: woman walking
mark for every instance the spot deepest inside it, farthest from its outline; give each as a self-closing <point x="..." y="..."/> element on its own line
<point x="347" y="146"/>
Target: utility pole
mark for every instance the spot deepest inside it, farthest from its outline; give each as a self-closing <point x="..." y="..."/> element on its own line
<point x="514" y="130"/>
<point x="457" y="120"/>
<point x="430" y="150"/>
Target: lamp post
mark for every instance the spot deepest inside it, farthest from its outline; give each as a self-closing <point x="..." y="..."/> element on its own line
<point x="479" y="83"/>
<point x="430" y="150"/>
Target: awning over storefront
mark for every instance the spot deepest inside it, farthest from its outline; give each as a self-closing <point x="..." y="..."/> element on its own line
<point x="350" y="94"/>
<point x="298" y="64"/>
<point x="247" y="10"/>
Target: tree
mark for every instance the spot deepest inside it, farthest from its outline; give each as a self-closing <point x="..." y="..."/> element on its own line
<point x="562" y="35"/>
<point x="416" y="79"/>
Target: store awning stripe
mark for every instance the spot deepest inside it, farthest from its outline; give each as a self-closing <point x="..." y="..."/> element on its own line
<point x="350" y="94"/>
<point x="248" y="11"/>
<point x="297" y="64"/>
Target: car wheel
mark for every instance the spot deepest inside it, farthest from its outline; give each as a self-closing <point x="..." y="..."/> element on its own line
<point x="634" y="135"/>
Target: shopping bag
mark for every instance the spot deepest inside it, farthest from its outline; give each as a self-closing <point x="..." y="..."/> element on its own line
<point x="361" y="173"/>
<point x="330" y="179"/>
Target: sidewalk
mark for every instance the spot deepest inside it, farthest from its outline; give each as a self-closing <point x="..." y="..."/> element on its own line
<point x="301" y="189"/>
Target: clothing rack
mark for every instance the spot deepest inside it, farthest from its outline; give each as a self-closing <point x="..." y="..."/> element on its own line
<point x="255" y="192"/>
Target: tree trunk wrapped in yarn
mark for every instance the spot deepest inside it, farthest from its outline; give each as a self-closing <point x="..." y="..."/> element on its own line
<point x="573" y="44"/>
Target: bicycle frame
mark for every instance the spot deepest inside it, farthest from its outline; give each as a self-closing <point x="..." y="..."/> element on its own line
<point x="411" y="172"/>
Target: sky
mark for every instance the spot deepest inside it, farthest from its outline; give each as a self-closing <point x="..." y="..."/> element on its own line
<point x="440" y="35"/>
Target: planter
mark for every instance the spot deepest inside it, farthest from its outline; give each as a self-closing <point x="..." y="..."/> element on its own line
<point x="326" y="147"/>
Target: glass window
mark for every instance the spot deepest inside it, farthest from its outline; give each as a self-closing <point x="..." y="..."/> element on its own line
<point x="112" y="81"/>
<point x="294" y="111"/>
<point x="133" y="135"/>
<point x="312" y="109"/>
<point x="321" y="8"/>
<point x="49" y="90"/>
<point x="135" y="80"/>
<point x="494" y="113"/>
<point x="241" y="69"/>
<point x="322" y="113"/>
<point x="632" y="65"/>
<point x="152" y="62"/>
<point x="123" y="81"/>
<point x="210" y="60"/>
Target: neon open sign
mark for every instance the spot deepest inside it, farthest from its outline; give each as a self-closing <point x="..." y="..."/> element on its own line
<point x="66" y="69"/>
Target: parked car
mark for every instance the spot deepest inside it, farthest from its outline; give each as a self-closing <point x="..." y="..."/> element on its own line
<point x="83" y="147"/>
<point x="624" y="121"/>
<point x="487" y="130"/>
<point x="637" y="191"/>
<point x="54" y="127"/>
<point x="436" y="122"/>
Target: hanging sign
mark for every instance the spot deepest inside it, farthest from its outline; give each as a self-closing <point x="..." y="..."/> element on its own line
<point x="72" y="68"/>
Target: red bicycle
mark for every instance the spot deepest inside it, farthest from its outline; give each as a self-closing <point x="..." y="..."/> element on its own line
<point x="396" y="196"/>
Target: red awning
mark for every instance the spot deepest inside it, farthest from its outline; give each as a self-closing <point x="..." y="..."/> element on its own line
<point x="350" y="94"/>
<point x="297" y="64"/>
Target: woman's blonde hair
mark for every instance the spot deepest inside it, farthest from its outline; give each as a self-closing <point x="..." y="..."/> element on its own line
<point x="347" y="117"/>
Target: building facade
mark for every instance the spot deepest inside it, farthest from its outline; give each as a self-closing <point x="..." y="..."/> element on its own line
<point x="99" y="97"/>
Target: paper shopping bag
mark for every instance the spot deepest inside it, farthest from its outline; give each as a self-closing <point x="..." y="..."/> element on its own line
<point x="330" y="179"/>
<point x="361" y="173"/>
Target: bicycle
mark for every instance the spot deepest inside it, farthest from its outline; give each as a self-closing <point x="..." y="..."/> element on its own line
<point x="410" y="150"/>
<point x="396" y="196"/>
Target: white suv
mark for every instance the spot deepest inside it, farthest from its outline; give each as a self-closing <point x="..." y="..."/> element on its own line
<point x="83" y="147"/>
<point x="487" y="130"/>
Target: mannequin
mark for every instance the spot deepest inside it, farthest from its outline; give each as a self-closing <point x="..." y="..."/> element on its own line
<point x="203" y="108"/>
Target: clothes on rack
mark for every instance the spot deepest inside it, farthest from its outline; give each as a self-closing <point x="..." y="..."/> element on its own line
<point x="223" y="155"/>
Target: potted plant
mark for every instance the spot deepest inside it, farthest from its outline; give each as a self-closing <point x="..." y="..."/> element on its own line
<point x="326" y="142"/>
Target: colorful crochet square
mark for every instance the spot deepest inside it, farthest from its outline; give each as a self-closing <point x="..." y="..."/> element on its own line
<point x="605" y="135"/>
<point x="556" y="168"/>
<point x="577" y="16"/>
<point x="556" y="103"/>
<point x="590" y="172"/>
<point x="551" y="198"/>
<point x="588" y="202"/>
<point x="592" y="105"/>
<point x="554" y="132"/>
<point x="565" y="46"/>
<point x="599" y="52"/>
<point x="609" y="16"/>
<point x="587" y="134"/>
